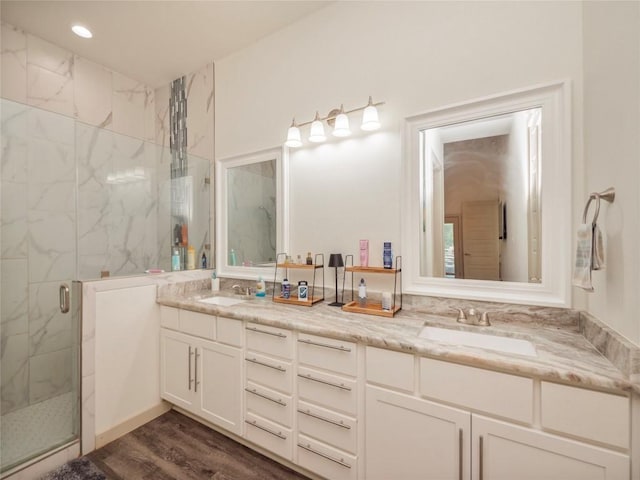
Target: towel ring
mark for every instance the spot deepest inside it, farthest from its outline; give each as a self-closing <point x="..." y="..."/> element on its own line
<point x="608" y="196"/>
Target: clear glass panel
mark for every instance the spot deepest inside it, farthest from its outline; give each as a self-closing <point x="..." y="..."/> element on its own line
<point x="39" y="375"/>
<point x="126" y="220"/>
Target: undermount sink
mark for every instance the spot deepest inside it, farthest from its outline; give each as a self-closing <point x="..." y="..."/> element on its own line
<point x="481" y="340"/>
<point x="222" y="301"/>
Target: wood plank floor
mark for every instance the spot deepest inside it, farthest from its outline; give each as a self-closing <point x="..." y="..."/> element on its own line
<point x="174" y="446"/>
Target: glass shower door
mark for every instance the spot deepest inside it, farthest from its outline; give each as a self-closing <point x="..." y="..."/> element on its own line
<point x="39" y="356"/>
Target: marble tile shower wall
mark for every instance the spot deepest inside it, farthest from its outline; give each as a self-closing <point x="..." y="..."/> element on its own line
<point x="63" y="220"/>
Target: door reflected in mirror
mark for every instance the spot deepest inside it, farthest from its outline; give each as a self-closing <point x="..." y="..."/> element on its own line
<point x="481" y="198"/>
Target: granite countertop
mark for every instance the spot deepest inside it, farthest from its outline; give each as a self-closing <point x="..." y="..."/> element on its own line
<point x="563" y="353"/>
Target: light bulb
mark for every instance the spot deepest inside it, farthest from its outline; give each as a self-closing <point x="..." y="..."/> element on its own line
<point x="317" y="131"/>
<point x="370" y="117"/>
<point x="341" y="127"/>
<point x="81" y="31"/>
<point x="293" y="137"/>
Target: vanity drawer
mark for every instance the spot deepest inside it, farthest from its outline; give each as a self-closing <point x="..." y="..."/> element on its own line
<point x="169" y="317"/>
<point x="327" y="353"/>
<point x="501" y="394"/>
<point x="229" y="331"/>
<point x="270" y="372"/>
<point x="270" y="340"/>
<point x="331" y="391"/>
<point x="269" y="435"/>
<point x="269" y="404"/>
<point x="324" y="460"/>
<point x="598" y="416"/>
<point x="198" y="324"/>
<point x="389" y="368"/>
<point x="328" y="426"/>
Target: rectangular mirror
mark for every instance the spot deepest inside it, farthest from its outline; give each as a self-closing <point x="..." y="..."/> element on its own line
<point x="478" y="225"/>
<point x="480" y="198"/>
<point x="250" y="205"/>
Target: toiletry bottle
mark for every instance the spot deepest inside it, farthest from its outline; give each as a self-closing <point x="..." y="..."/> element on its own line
<point x="364" y="253"/>
<point x="175" y="259"/>
<point x="261" y="289"/>
<point x="215" y="282"/>
<point x="203" y="261"/>
<point x="233" y="259"/>
<point x="185" y="235"/>
<point x="286" y="289"/>
<point x="303" y="290"/>
<point x="386" y="301"/>
<point x="191" y="258"/>
<point x="387" y="257"/>
<point x="309" y="259"/>
<point x="299" y="260"/>
<point x="362" y="293"/>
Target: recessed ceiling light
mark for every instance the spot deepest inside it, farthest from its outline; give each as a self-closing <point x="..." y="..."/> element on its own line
<point x="81" y="31"/>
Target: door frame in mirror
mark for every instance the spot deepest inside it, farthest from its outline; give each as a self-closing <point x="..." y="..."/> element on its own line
<point x="556" y="221"/>
<point x="281" y="156"/>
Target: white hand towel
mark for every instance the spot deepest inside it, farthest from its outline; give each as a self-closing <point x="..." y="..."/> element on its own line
<point x="597" y="249"/>
<point x="584" y="252"/>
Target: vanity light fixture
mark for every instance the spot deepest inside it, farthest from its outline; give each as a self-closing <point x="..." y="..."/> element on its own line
<point x="339" y="120"/>
<point x="81" y="31"/>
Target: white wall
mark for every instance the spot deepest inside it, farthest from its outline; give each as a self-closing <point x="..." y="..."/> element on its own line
<point x="413" y="55"/>
<point x="612" y="156"/>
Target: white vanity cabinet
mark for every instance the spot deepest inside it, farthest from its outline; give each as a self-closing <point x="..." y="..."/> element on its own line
<point x="199" y="374"/>
<point x="268" y="390"/>
<point x="441" y="426"/>
<point x="409" y="437"/>
<point x="503" y="451"/>
<point x="327" y="407"/>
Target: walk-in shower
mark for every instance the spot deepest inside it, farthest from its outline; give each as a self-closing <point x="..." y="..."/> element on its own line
<point x="77" y="202"/>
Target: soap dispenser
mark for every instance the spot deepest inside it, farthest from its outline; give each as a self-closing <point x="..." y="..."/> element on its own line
<point x="261" y="290"/>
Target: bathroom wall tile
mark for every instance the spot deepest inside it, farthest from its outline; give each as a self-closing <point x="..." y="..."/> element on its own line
<point x="88" y="439"/>
<point x="50" y="126"/>
<point x="92" y="92"/>
<point x="13" y="63"/>
<point x="52" y="246"/>
<point x="161" y="99"/>
<point x="199" y="90"/>
<point x="14" y="373"/>
<point x="50" y="330"/>
<point x="49" y="90"/>
<point x="49" y="56"/>
<point x="49" y="375"/>
<point x="130" y="98"/>
<point x="150" y="116"/>
<point x="14" y="134"/>
<point x="52" y="197"/>
<point x="13" y="221"/>
<point x="50" y="162"/>
<point x="14" y="297"/>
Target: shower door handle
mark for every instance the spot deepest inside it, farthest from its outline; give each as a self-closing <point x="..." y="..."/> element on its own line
<point x="64" y="298"/>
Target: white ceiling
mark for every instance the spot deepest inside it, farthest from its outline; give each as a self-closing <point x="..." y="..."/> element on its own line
<point x="155" y="41"/>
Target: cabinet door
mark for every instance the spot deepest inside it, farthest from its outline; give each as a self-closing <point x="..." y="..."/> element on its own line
<point x="505" y="452"/>
<point x="177" y="369"/>
<point x="409" y="438"/>
<point x="220" y="385"/>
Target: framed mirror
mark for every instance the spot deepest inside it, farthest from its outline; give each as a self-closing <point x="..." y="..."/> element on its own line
<point x="487" y="188"/>
<point x="250" y="205"/>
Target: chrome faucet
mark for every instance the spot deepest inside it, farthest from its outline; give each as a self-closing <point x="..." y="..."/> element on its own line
<point x="238" y="289"/>
<point x="472" y="318"/>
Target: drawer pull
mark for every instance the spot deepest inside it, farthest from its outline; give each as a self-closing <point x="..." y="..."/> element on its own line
<point x="342" y="348"/>
<point x="341" y="386"/>
<point x="275" y="334"/>
<point x="308" y="448"/>
<point x="268" y="430"/>
<point x="325" y="419"/>
<point x="257" y="362"/>
<point x="481" y="458"/>
<point x="460" y="444"/>
<point x="267" y="397"/>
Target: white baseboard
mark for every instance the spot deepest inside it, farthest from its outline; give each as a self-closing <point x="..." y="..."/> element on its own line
<point x="130" y="424"/>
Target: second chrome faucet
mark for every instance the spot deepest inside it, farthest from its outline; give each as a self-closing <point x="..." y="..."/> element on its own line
<point x="473" y="317"/>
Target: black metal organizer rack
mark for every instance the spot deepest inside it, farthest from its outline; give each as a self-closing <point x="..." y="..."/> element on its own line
<point x="374" y="308"/>
<point x="281" y="263"/>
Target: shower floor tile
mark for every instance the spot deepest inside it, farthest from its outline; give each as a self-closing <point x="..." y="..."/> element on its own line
<point x="36" y="429"/>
